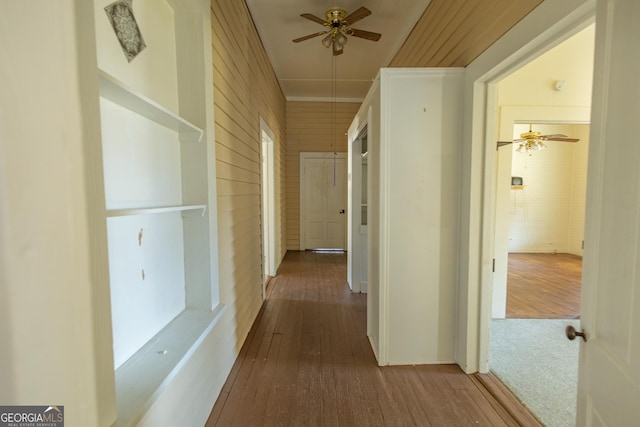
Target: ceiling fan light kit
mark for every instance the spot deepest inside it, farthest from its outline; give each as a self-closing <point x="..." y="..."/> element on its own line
<point x="530" y="146"/>
<point x="338" y="27"/>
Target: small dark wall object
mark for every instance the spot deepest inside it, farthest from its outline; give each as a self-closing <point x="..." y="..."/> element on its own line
<point x="516" y="180"/>
<point x="120" y="14"/>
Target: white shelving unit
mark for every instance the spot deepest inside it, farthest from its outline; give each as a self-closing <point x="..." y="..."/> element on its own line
<point x="118" y="92"/>
<point x="146" y="374"/>
<point x="157" y="210"/>
<point x="159" y="177"/>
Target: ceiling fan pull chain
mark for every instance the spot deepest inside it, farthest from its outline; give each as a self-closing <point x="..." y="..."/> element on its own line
<point x="334" y="168"/>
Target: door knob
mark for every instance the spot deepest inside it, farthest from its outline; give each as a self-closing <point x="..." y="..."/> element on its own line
<point x="341" y="211"/>
<point x="572" y="333"/>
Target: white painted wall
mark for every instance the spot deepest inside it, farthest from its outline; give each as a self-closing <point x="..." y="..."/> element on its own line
<point x="578" y="198"/>
<point x="547" y="215"/>
<point x="153" y="72"/>
<point x="502" y="211"/>
<point x="134" y="149"/>
<point x="413" y="170"/>
<point x="533" y="83"/>
<point x="147" y="278"/>
<point x="52" y="278"/>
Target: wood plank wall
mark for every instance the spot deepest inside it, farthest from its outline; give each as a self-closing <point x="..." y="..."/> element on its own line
<point x="309" y="129"/>
<point x="245" y="88"/>
<point x="452" y="33"/>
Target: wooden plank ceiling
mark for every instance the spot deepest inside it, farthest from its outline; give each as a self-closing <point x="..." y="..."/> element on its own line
<point x="452" y="33"/>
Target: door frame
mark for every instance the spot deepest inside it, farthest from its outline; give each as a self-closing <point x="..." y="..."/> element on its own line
<point x="521" y="45"/>
<point x="267" y="175"/>
<point x="304" y="155"/>
<point x="356" y="267"/>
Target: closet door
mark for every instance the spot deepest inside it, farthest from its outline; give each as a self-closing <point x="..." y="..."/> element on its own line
<point x="323" y="200"/>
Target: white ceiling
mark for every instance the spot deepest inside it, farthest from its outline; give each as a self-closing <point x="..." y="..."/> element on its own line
<point x="305" y="69"/>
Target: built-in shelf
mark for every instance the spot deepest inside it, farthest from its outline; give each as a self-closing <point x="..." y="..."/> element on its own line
<point x="517" y="187"/>
<point x="155" y="210"/>
<point x="142" y="378"/>
<point x="158" y="150"/>
<point x="118" y="92"/>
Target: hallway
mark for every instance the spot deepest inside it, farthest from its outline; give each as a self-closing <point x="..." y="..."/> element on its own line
<point x="307" y="362"/>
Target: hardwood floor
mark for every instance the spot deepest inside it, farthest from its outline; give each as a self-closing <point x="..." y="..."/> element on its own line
<point x="307" y="362"/>
<point x="544" y="286"/>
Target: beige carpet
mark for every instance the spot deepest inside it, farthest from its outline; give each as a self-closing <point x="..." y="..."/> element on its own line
<point x="534" y="358"/>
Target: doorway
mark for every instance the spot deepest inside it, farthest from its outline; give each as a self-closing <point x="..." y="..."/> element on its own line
<point x="544" y="223"/>
<point x="609" y="387"/>
<point x="539" y="209"/>
<point x="268" y="204"/>
<point x="323" y="201"/>
<point x="357" y="245"/>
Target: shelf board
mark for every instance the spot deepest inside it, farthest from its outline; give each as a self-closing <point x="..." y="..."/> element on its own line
<point x="118" y="92"/>
<point x="155" y="210"/>
<point x="142" y="378"/>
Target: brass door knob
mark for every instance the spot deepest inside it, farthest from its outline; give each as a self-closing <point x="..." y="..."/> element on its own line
<point x="572" y="333"/>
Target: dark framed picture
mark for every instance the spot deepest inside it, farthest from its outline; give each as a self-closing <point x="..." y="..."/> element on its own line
<point x="120" y="14"/>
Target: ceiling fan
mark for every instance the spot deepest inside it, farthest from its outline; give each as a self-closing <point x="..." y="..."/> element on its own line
<point x="338" y="27"/>
<point x="531" y="140"/>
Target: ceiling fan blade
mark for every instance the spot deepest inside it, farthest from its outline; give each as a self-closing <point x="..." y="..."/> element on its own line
<point x="563" y="139"/>
<point x="364" y="34"/>
<point x="314" y="18"/>
<point x="357" y="15"/>
<point x="557" y="137"/>
<point x="310" y="36"/>
<point x="503" y="143"/>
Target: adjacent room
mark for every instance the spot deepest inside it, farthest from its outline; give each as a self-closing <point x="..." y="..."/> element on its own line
<point x="539" y="227"/>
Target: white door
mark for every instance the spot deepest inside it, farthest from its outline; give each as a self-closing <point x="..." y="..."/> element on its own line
<point x="609" y="374"/>
<point x="323" y="200"/>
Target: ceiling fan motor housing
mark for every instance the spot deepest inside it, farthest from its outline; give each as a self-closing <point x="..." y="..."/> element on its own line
<point x="530" y="135"/>
<point x="335" y="16"/>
